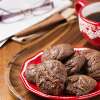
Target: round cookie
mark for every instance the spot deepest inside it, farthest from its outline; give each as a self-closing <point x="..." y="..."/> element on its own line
<point x="58" y="52"/>
<point x="80" y="85"/>
<point x="75" y="63"/>
<point x="93" y="65"/>
<point x="51" y="77"/>
<point x="31" y="73"/>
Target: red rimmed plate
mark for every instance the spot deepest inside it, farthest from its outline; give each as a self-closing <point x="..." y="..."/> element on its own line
<point x="33" y="88"/>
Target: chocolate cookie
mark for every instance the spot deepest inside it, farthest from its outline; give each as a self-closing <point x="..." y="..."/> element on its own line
<point x="51" y="77"/>
<point x="80" y="85"/>
<point x="31" y="73"/>
<point x="93" y="65"/>
<point x="75" y="63"/>
<point x="58" y="52"/>
<point x="87" y="51"/>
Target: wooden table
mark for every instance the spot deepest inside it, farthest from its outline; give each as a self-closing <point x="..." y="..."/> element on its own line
<point x="12" y="48"/>
<point x="6" y="54"/>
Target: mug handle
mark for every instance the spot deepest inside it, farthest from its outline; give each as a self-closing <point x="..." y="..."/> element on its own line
<point x="80" y="4"/>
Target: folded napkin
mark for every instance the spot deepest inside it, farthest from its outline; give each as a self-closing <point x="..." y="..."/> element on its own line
<point x="43" y="28"/>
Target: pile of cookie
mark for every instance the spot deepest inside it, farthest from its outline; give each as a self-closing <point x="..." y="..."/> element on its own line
<point x="64" y="71"/>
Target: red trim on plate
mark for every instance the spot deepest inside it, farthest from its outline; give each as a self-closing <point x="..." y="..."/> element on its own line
<point x="39" y="93"/>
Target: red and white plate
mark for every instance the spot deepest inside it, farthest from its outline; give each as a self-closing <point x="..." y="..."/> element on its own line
<point x="33" y="88"/>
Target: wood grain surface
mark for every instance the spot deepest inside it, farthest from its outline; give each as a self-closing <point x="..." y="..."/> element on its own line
<point x="11" y="49"/>
<point x="65" y="33"/>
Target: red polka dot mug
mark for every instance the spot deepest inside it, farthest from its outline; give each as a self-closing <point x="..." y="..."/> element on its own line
<point x="90" y="29"/>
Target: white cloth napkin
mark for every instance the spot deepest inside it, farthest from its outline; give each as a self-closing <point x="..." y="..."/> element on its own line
<point x="8" y="30"/>
<point x="68" y="14"/>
